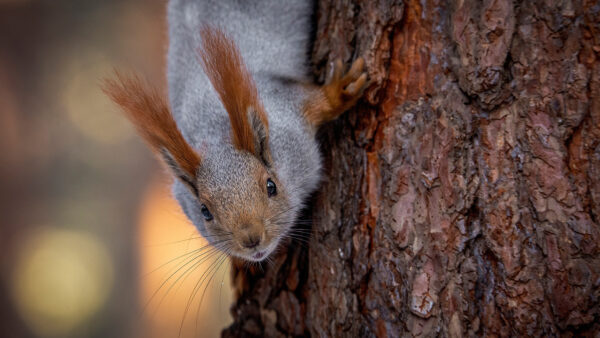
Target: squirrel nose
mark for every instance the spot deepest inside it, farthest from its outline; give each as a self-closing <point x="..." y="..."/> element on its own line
<point x="251" y="242"/>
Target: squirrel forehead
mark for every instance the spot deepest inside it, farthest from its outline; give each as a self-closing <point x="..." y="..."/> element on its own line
<point x="229" y="169"/>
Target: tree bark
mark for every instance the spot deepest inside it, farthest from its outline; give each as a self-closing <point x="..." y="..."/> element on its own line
<point x="463" y="193"/>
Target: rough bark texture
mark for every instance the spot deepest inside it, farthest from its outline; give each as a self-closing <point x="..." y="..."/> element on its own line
<point x="463" y="193"/>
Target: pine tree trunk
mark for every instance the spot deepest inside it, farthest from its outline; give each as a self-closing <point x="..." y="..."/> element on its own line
<point x="463" y="193"/>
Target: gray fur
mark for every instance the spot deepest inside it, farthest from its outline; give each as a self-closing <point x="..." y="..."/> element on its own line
<point x="273" y="37"/>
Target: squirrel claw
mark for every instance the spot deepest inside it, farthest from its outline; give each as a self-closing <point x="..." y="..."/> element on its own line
<point x="356" y="70"/>
<point x="344" y="90"/>
<point x="340" y="92"/>
<point x="356" y="88"/>
<point x="335" y="71"/>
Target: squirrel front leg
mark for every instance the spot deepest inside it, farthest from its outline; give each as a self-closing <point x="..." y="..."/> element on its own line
<point x="338" y="94"/>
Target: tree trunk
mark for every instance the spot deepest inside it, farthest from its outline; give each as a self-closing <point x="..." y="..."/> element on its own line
<point x="463" y="193"/>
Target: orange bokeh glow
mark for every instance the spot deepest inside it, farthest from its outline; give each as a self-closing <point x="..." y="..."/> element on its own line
<point x="165" y="235"/>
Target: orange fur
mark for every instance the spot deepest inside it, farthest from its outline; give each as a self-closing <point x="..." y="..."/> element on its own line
<point x="227" y="72"/>
<point x="150" y="114"/>
<point x="339" y="94"/>
<point x="318" y="108"/>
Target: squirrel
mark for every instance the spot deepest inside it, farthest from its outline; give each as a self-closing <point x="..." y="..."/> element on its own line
<point x="238" y="127"/>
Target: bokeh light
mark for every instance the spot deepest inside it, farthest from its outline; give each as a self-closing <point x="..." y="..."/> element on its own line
<point x="61" y="279"/>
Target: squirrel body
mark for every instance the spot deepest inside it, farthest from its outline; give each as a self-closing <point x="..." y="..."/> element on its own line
<point x="239" y="129"/>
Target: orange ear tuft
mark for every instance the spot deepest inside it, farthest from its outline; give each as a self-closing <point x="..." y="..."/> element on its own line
<point x="227" y="72"/>
<point x="150" y="114"/>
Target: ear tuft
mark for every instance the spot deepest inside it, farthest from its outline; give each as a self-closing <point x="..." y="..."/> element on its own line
<point x="150" y="114"/>
<point x="227" y="72"/>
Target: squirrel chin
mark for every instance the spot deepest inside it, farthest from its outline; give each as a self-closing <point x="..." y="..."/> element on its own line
<point x="260" y="255"/>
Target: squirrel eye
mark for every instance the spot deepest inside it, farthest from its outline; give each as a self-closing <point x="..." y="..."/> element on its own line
<point x="271" y="188"/>
<point x="206" y="213"/>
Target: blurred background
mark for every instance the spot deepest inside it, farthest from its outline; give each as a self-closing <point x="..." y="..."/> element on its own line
<point x="91" y="242"/>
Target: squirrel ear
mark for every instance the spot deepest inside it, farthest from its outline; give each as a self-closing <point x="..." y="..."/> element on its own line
<point x="189" y="180"/>
<point x="227" y="72"/>
<point x="260" y="131"/>
<point x="150" y="114"/>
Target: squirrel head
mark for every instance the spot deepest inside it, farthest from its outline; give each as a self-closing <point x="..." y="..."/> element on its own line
<point x="244" y="208"/>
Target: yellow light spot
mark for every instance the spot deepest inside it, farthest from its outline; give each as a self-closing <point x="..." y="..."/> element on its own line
<point x="61" y="279"/>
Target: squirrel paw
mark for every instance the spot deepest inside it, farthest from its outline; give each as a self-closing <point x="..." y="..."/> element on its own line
<point x="344" y="91"/>
<point x="339" y="93"/>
